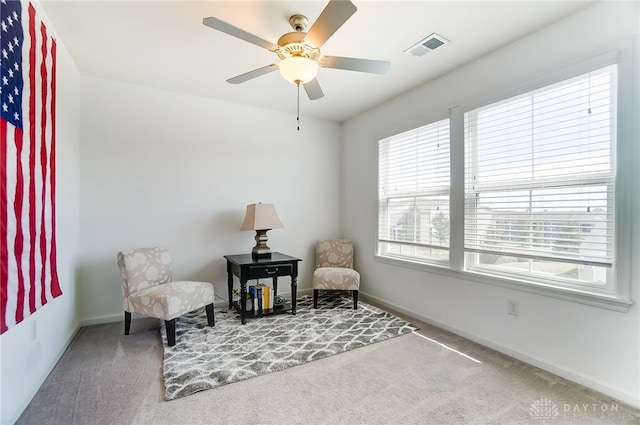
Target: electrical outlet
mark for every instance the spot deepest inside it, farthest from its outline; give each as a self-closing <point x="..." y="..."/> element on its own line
<point x="513" y="307"/>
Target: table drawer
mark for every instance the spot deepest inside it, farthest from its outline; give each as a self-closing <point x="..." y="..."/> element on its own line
<point x="261" y="272"/>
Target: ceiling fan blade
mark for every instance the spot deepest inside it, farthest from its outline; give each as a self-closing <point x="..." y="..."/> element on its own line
<point x="334" y="15"/>
<point x="354" y="64"/>
<point x="219" y="25"/>
<point x="252" y="74"/>
<point x="313" y="89"/>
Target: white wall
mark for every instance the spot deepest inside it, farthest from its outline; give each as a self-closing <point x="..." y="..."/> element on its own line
<point x="160" y="168"/>
<point x="26" y="362"/>
<point x="174" y="170"/>
<point x="597" y="347"/>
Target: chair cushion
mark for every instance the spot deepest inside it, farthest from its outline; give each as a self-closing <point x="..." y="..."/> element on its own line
<point x="339" y="278"/>
<point x="170" y="300"/>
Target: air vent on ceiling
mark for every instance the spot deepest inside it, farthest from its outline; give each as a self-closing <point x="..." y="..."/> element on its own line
<point x="427" y="45"/>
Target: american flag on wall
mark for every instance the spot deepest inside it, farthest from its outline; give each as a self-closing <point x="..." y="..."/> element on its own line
<point x="28" y="272"/>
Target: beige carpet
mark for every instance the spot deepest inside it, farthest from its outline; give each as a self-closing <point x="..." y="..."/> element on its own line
<point x="108" y="378"/>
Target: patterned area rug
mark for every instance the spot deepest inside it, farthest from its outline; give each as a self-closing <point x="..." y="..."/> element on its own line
<point x="205" y="358"/>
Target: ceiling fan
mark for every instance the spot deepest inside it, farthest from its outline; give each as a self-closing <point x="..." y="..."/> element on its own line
<point x="299" y="51"/>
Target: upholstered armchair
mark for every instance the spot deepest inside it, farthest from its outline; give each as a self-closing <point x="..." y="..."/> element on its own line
<point x="334" y="269"/>
<point x="148" y="289"/>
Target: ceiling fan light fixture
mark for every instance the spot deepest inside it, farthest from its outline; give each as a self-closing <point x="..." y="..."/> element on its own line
<point x="298" y="69"/>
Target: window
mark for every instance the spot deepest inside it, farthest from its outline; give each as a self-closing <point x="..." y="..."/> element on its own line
<point x="532" y="201"/>
<point x="539" y="184"/>
<point x="413" y="194"/>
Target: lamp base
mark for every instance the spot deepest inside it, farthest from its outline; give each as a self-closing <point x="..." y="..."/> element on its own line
<point x="261" y="250"/>
<point x="261" y="254"/>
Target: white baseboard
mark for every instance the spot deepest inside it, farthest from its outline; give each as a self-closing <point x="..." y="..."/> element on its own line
<point x="102" y="319"/>
<point x="119" y="317"/>
<point x="573" y="376"/>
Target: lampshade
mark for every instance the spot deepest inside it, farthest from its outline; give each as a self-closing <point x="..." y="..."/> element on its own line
<point x="261" y="217"/>
<point x="298" y="68"/>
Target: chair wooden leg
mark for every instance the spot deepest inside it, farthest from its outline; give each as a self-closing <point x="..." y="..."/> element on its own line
<point x="355" y="299"/>
<point x="210" y="317"/>
<point x="127" y="322"/>
<point x="315" y="298"/>
<point x="171" y="332"/>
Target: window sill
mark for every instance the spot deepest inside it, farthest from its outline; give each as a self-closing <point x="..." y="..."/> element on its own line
<point x="609" y="302"/>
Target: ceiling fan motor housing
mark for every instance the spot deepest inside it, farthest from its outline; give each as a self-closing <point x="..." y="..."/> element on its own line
<point x="292" y="44"/>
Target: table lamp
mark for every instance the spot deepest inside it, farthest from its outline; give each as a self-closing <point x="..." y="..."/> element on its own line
<point x="261" y="218"/>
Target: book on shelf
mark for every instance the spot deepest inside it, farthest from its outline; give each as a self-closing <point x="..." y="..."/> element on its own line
<point x="253" y="292"/>
<point x="267" y="296"/>
<point x="259" y="298"/>
<point x="262" y="297"/>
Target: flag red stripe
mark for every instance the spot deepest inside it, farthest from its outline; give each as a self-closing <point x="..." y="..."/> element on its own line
<point x="43" y="164"/>
<point x="56" y="291"/>
<point x="4" y="231"/>
<point x="18" y="244"/>
<point x="32" y="162"/>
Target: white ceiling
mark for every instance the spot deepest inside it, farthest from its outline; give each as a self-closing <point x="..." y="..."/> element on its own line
<point x="164" y="44"/>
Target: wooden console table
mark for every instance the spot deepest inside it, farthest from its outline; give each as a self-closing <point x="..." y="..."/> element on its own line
<point x="245" y="267"/>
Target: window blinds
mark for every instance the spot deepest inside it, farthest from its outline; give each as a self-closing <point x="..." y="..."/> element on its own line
<point x="413" y="173"/>
<point x="540" y="173"/>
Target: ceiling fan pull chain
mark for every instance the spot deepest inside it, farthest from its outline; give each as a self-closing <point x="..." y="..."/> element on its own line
<point x="298" y="117"/>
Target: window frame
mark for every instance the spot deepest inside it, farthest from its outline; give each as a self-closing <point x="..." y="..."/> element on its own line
<point x="619" y="299"/>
